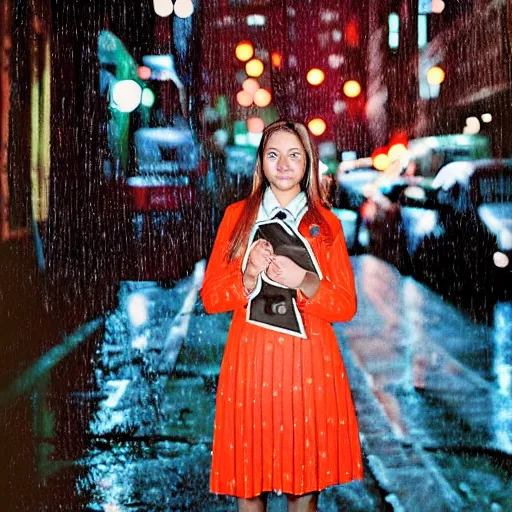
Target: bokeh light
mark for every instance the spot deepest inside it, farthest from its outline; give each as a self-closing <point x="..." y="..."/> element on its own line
<point x="351" y="88"/>
<point x="381" y="161"/>
<point x="254" y="68"/>
<point x="435" y="75"/>
<point x="438" y="6"/>
<point x="255" y="125"/>
<point x="183" y="8"/>
<point x="317" y="126"/>
<point x="148" y="97"/>
<point x="144" y="73"/>
<point x="315" y="76"/>
<point x="472" y="126"/>
<point x="486" y="118"/>
<point x="163" y="8"/>
<point x="244" y="98"/>
<point x="277" y="59"/>
<point x="397" y="151"/>
<point x="262" y="97"/>
<point x="126" y="95"/>
<point x="250" y="85"/>
<point x="244" y="51"/>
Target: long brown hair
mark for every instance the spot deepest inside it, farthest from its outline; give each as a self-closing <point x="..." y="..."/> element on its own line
<point x="309" y="184"/>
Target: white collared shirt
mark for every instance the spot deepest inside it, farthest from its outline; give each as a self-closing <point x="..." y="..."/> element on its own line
<point x="294" y="210"/>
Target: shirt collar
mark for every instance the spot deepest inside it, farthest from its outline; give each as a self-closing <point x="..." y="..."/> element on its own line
<point x="294" y="208"/>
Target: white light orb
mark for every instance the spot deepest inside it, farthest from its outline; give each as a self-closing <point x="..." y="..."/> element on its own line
<point x="500" y="259"/>
<point x="183" y="8"/>
<point x="126" y="95"/>
<point x="163" y="8"/>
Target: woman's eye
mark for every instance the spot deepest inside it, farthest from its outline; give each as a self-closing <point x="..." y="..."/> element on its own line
<point x="271" y="155"/>
<point x="295" y="155"/>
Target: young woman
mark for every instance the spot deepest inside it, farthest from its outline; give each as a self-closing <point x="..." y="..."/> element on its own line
<point x="285" y="420"/>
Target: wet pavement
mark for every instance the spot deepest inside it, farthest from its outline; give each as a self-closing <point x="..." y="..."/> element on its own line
<point x="123" y="421"/>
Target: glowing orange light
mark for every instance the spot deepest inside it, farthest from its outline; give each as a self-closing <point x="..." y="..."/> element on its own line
<point x="317" y="126"/>
<point x="380" y="159"/>
<point x="435" y="75"/>
<point x="244" y="98"/>
<point x="254" y="68"/>
<point x="144" y="72"/>
<point x="255" y="125"/>
<point x="396" y="151"/>
<point x="244" y="51"/>
<point x="262" y="97"/>
<point x="351" y="88"/>
<point x="250" y="85"/>
<point x="277" y="59"/>
<point x="315" y="76"/>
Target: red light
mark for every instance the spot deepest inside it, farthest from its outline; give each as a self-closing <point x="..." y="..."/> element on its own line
<point x="352" y="34"/>
<point x="399" y="138"/>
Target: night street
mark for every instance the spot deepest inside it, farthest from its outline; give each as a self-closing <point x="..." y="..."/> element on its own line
<point x="432" y="391"/>
<point x="256" y="256"/>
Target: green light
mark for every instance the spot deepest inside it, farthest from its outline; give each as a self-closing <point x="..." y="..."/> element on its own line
<point x="148" y="97"/>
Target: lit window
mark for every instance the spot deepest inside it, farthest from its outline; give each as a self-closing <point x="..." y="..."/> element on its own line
<point x="256" y="20"/>
<point x="422" y="31"/>
<point x="394" y="30"/>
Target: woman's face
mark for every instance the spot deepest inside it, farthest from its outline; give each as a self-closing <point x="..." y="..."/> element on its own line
<point x="284" y="162"/>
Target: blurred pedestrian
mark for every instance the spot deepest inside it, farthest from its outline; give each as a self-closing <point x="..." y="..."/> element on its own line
<point x="285" y="421"/>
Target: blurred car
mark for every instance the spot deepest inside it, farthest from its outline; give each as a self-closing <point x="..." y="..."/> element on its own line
<point x="168" y="169"/>
<point x="458" y="230"/>
<point x="163" y="195"/>
<point x="347" y="199"/>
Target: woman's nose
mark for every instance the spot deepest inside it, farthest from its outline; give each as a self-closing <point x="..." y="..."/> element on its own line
<point x="282" y="162"/>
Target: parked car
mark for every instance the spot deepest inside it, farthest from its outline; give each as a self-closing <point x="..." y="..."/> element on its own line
<point x="458" y="231"/>
<point x="163" y="196"/>
<point x="347" y="199"/>
<point x="381" y="211"/>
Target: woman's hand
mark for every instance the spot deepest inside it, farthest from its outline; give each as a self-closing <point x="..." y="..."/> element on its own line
<point x="260" y="258"/>
<point x="284" y="271"/>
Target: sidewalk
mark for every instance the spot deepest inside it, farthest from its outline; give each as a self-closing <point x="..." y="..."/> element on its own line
<point x="430" y="388"/>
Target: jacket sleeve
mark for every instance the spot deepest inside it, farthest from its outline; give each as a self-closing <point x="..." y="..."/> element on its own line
<point x="223" y="289"/>
<point x="335" y="300"/>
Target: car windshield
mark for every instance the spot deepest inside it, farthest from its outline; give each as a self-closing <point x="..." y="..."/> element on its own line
<point x="492" y="185"/>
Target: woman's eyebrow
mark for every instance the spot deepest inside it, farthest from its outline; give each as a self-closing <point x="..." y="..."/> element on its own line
<point x="291" y="149"/>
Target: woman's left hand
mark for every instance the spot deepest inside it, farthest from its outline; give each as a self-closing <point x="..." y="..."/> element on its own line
<point x="284" y="271"/>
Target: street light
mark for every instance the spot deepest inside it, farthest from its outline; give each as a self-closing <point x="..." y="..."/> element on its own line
<point x="317" y="126"/>
<point x="262" y="97"/>
<point x="351" y="88"/>
<point x="435" y="75"/>
<point x="315" y="76"/>
<point x="244" y="51"/>
<point x="163" y="8"/>
<point x="254" y="68"/>
<point x="126" y="95"/>
<point x="183" y="8"/>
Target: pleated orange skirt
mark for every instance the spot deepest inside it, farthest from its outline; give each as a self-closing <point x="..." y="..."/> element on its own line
<point x="285" y="420"/>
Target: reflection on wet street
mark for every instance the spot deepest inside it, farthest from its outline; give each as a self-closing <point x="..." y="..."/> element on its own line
<point x="432" y="391"/>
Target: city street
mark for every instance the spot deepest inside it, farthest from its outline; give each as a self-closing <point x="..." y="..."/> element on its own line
<point x="432" y="392"/>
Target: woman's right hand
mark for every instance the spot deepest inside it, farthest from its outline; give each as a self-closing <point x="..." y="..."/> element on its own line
<point x="260" y="258"/>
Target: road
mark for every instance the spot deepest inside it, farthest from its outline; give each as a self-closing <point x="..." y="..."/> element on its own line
<point x="131" y="430"/>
